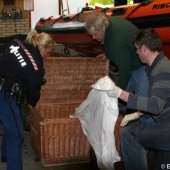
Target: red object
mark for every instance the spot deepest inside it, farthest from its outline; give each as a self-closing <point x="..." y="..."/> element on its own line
<point x="69" y="30"/>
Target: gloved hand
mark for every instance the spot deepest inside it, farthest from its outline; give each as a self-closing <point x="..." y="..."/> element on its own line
<point x="115" y="92"/>
<point x="129" y="118"/>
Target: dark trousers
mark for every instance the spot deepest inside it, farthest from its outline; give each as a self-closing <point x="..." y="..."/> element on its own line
<point x="135" y="139"/>
<point x="11" y="119"/>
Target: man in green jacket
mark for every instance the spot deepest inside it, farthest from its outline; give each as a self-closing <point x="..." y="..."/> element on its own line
<point x="116" y="35"/>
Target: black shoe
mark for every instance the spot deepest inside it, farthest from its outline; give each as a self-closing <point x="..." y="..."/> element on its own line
<point x="3" y="159"/>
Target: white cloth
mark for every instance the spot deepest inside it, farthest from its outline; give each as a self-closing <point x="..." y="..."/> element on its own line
<point x="98" y="115"/>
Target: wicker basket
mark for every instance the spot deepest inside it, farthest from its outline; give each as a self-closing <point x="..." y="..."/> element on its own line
<point x="117" y="132"/>
<point x="55" y="137"/>
<point x="69" y="79"/>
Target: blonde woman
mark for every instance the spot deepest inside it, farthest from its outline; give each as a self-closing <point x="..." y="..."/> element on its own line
<point x="21" y="67"/>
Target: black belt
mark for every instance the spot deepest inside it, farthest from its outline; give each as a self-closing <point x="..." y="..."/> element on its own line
<point x="9" y="84"/>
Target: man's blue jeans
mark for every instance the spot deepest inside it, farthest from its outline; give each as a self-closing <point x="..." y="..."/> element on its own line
<point x="138" y="84"/>
<point x="135" y="138"/>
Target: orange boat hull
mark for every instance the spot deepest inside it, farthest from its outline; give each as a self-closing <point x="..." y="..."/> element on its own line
<point x="69" y="30"/>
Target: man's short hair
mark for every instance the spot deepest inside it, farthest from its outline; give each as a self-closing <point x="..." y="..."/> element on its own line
<point x="150" y="38"/>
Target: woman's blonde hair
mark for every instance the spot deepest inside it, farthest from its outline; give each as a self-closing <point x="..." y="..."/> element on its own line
<point x="39" y="39"/>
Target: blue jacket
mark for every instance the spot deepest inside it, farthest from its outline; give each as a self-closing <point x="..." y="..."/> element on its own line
<point x="16" y="63"/>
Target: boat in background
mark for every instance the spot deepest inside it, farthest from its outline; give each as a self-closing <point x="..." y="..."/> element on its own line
<point x="69" y="30"/>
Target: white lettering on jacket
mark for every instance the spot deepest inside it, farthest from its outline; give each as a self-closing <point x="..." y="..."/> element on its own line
<point x="14" y="50"/>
